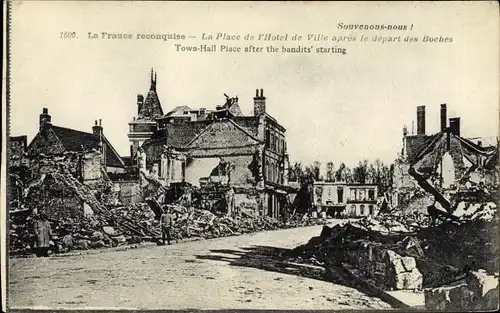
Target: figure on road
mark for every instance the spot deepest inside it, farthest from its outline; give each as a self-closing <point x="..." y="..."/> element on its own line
<point x="42" y="234"/>
<point x="166" y="221"/>
<point x="230" y="202"/>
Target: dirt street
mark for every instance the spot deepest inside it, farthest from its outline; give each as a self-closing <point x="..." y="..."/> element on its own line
<point x="234" y="272"/>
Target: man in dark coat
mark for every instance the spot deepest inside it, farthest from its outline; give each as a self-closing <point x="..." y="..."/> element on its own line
<point x="166" y="222"/>
<point x="42" y="234"/>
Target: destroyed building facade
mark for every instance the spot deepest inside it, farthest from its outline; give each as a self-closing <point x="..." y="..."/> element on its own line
<point x="218" y="146"/>
<point x="444" y="165"/>
<point x="61" y="160"/>
<point x="53" y="140"/>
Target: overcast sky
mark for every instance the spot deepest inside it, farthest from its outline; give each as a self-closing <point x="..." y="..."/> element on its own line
<point x="334" y="107"/>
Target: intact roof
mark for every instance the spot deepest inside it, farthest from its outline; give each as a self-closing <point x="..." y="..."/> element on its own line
<point x="73" y="140"/>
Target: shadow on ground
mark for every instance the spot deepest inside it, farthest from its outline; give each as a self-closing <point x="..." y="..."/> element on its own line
<point x="276" y="260"/>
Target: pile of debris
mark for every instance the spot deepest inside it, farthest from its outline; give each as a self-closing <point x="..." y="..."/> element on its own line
<point x="110" y="227"/>
<point x="397" y="254"/>
<point x="20" y="231"/>
<point x="191" y="222"/>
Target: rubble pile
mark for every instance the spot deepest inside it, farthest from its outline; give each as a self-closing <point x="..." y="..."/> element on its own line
<point x="478" y="291"/>
<point x="113" y="226"/>
<point x="20" y="232"/>
<point x="191" y="223"/>
<point x="418" y="256"/>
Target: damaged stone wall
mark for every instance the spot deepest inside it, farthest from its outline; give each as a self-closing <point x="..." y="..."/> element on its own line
<point x="17" y="149"/>
<point x="199" y="168"/>
<point x="401" y="179"/>
<point x="84" y="166"/>
<point x="240" y="170"/>
<point x="248" y="203"/>
<point x="129" y="192"/>
<point x="388" y="269"/>
<point x="53" y="197"/>
<point x="241" y="173"/>
<point x="47" y="187"/>
<point x="91" y="168"/>
<point x="43" y="164"/>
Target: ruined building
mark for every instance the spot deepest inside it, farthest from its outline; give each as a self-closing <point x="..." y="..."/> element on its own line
<point x="53" y="140"/>
<point x="214" y="146"/>
<point x="65" y="172"/>
<point x="444" y="165"/>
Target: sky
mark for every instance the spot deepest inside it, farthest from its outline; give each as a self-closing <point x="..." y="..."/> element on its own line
<point x="339" y="108"/>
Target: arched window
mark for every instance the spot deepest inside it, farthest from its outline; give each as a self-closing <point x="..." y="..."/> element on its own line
<point x="353" y="209"/>
<point x="370" y="209"/>
<point x="362" y="209"/>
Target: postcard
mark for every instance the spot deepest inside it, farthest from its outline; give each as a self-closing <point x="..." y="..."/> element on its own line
<point x="250" y="155"/>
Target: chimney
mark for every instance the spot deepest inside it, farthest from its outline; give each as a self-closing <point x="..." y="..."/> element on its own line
<point x="443" y="117"/>
<point x="97" y="129"/>
<point x="259" y="103"/>
<point x="455" y="126"/>
<point x="140" y="102"/>
<point x="45" y="118"/>
<point x="421" y="120"/>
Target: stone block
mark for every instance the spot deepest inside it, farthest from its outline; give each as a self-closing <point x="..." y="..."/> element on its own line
<point x="67" y="242"/>
<point x="409" y="263"/>
<point x="119" y="239"/>
<point x="109" y="230"/>
<point x="462" y="298"/>
<point x="408" y="280"/>
<point x="490" y="300"/>
<point x="83" y="244"/>
<point x="393" y="263"/>
<point x="97" y="236"/>
<point x="97" y="244"/>
<point x="481" y="283"/>
<point x="439" y="298"/>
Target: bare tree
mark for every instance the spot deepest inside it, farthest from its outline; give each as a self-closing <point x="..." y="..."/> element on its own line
<point x="330" y="172"/>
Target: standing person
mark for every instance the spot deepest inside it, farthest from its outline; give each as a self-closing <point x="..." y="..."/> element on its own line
<point x="166" y="221"/>
<point x="42" y="233"/>
<point x="230" y="201"/>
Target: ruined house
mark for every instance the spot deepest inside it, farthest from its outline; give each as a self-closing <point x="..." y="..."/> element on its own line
<point x="54" y="140"/>
<point x="442" y="166"/>
<point x="63" y="162"/>
<point x="218" y="146"/>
